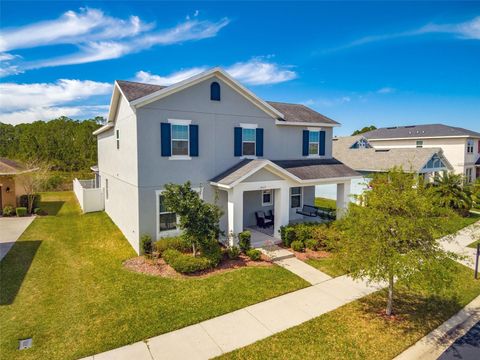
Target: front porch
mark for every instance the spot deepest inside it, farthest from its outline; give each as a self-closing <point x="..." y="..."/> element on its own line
<point x="262" y="189"/>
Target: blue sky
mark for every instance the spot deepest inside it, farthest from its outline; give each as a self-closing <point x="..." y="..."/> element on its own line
<point x="381" y="63"/>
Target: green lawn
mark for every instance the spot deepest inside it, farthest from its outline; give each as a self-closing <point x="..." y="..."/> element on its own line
<point x="63" y="284"/>
<point x="452" y="225"/>
<point x="474" y="244"/>
<point x="326" y="203"/>
<point x="326" y="265"/>
<point x="356" y="331"/>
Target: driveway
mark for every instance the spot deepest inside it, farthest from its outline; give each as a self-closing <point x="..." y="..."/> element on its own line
<point x="10" y="230"/>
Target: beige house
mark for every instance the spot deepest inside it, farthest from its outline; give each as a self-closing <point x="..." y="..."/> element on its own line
<point x="10" y="183"/>
<point x="461" y="147"/>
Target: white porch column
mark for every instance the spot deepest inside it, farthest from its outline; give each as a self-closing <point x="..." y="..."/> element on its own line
<point x="282" y="209"/>
<point x="235" y="213"/>
<point x="343" y="198"/>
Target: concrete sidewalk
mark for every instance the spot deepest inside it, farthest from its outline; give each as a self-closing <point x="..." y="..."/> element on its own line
<point x="458" y="243"/>
<point x="10" y="230"/>
<point x="232" y="331"/>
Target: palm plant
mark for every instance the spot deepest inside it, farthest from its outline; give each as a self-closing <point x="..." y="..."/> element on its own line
<point x="450" y="191"/>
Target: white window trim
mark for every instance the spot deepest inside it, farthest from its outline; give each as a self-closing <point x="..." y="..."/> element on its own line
<point x="173" y="232"/>
<point x="183" y="123"/>
<point x="417" y="145"/>
<point x="470" y="145"/>
<point x="249" y="126"/>
<point x="301" y="197"/>
<point x="271" y="197"/>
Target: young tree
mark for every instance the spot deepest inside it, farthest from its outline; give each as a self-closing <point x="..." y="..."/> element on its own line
<point x="199" y="220"/>
<point x="391" y="237"/>
<point x="33" y="180"/>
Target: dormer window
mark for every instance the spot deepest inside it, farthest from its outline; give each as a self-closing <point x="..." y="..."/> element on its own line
<point x="215" y="91"/>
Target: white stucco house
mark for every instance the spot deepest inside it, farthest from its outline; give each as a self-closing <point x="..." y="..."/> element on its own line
<point x="460" y="146"/>
<point x="247" y="155"/>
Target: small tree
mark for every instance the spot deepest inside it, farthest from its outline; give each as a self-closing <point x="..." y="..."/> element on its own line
<point x="198" y="219"/>
<point x="391" y="237"/>
<point x="33" y="180"/>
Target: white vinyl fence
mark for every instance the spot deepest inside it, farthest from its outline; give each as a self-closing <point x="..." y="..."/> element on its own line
<point x="89" y="196"/>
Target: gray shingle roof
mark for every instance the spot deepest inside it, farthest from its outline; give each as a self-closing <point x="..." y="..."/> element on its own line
<point x="414" y="131"/>
<point x="292" y="112"/>
<point x="300" y="113"/>
<point x="10" y="167"/>
<point x="310" y="169"/>
<point x="410" y="159"/>
<point x="135" y="90"/>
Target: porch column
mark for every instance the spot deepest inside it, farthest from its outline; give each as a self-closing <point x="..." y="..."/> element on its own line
<point x="343" y="194"/>
<point x="235" y="214"/>
<point x="281" y="209"/>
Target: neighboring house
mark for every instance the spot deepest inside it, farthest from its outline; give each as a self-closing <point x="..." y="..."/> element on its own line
<point x="460" y="146"/>
<point x="358" y="153"/>
<point x="237" y="150"/>
<point x="11" y="187"/>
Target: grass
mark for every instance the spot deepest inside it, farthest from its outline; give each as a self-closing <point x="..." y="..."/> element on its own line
<point x="474" y="244"/>
<point x="326" y="265"/>
<point x="326" y="203"/>
<point x="63" y="284"/>
<point x="357" y="331"/>
<point x="452" y="225"/>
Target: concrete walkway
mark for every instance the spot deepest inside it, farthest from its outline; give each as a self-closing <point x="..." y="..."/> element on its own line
<point x="436" y="342"/>
<point x="10" y="230"/>
<point x="458" y="243"/>
<point x="287" y="260"/>
<point x="240" y="328"/>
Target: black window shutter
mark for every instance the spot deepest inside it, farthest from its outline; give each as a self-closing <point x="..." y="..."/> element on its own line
<point x="305" y="142"/>
<point x="166" y="139"/>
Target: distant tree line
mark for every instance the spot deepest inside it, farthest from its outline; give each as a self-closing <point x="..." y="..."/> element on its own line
<point x="364" y="130"/>
<point x="65" y="144"/>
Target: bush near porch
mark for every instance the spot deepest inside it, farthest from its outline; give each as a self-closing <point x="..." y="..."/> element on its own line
<point x="314" y="236"/>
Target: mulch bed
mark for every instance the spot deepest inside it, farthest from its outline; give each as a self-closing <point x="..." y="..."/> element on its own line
<point x="308" y="254"/>
<point x="158" y="267"/>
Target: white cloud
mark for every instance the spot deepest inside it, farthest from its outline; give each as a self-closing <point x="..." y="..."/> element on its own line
<point x="466" y="30"/>
<point x="15" y="96"/>
<point x="98" y="37"/>
<point x="386" y="90"/>
<point x="71" y="28"/>
<point x="44" y="101"/>
<point x="48" y="113"/>
<point x="253" y="72"/>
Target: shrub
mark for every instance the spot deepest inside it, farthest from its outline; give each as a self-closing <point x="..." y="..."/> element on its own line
<point x="254" y="254"/>
<point x="183" y="263"/>
<point x="312" y="244"/>
<point x="53" y="183"/>
<point x="244" y="241"/>
<point x="233" y="252"/>
<point x="8" y="210"/>
<point x="176" y="243"/>
<point x="297" y="245"/>
<point x="21" y="211"/>
<point x="290" y="235"/>
<point x="146" y="244"/>
<point x="303" y="231"/>
<point x="23" y="201"/>
<point x="213" y="252"/>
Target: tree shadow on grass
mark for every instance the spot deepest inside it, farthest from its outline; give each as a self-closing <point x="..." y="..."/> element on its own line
<point x="51" y="207"/>
<point x="14" y="267"/>
<point x="413" y="312"/>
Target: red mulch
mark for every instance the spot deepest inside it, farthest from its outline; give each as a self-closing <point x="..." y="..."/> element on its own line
<point x="158" y="267"/>
<point x="308" y="254"/>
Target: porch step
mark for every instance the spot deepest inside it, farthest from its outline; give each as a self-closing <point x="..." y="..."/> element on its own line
<point x="276" y="253"/>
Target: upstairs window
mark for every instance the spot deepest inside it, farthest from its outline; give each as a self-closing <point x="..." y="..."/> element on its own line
<point x="470" y="146"/>
<point x="215" y="91"/>
<point x="180" y="140"/>
<point x="419" y="144"/>
<point x="313" y="142"/>
<point x="248" y="141"/>
<point x="117" y="136"/>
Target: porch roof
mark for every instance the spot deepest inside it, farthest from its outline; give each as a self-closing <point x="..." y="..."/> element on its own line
<point x="297" y="170"/>
<point x="10" y="167"/>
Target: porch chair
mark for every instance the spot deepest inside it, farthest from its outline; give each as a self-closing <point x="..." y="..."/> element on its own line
<point x="262" y="220"/>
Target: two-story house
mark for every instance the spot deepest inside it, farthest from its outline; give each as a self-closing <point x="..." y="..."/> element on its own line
<point x="237" y="150"/>
<point x="460" y="146"/>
